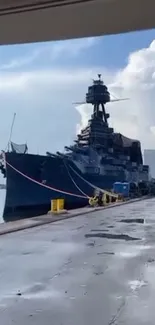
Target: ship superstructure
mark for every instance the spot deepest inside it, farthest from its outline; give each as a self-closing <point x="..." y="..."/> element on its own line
<point x="103" y="151"/>
<point x="98" y="158"/>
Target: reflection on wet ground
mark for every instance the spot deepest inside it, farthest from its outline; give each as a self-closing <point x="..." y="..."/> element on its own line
<point x="99" y="266"/>
<point x="99" y="230"/>
<point x="91" y="244"/>
<point x="106" y="253"/>
<point x="136" y="220"/>
<point x="111" y="236"/>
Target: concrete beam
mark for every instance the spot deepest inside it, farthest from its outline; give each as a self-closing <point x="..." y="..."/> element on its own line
<point x="46" y="20"/>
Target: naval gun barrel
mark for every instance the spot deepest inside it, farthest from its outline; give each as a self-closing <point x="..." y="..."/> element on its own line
<point x="49" y="154"/>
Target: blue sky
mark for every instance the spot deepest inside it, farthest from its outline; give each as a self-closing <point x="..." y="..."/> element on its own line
<point x="41" y="81"/>
<point x="110" y="51"/>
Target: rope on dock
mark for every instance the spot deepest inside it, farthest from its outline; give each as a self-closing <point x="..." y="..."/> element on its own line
<point x="84" y="196"/>
<point x="44" y="185"/>
<point x="93" y="186"/>
<point x="88" y="197"/>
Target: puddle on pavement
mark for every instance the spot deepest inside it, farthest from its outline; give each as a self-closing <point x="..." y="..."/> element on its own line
<point x="133" y="220"/>
<point x="98" y="273"/>
<point x="150" y="260"/>
<point x="91" y="244"/>
<point x="111" y="236"/>
<point x="99" y="230"/>
<point x="106" y="253"/>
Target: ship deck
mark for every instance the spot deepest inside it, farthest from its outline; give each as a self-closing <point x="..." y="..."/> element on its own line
<point x="96" y="268"/>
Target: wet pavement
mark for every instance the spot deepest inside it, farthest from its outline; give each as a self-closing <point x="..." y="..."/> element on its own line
<point x="93" y="269"/>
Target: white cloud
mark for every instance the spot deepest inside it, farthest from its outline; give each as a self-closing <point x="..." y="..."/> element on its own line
<point x="53" y="51"/>
<point x="21" y="61"/>
<point x="43" y="99"/>
<point x="136" y="117"/>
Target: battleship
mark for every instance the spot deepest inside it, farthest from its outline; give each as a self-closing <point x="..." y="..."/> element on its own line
<point x="97" y="158"/>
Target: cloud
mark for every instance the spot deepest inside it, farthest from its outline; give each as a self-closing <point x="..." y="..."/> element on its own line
<point x="43" y="101"/>
<point x="136" y="117"/>
<point x="46" y="117"/>
<point x="52" y="51"/>
<point x="22" y="61"/>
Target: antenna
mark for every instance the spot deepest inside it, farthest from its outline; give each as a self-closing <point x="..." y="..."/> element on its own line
<point x="111" y="101"/>
<point x="118" y="100"/>
<point x="12" y="125"/>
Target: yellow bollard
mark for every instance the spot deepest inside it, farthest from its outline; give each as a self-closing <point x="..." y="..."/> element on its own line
<point x="54" y="206"/>
<point x="57" y="207"/>
<point x="104" y="199"/>
<point x="60" y="204"/>
<point x="93" y="201"/>
<point x="110" y="199"/>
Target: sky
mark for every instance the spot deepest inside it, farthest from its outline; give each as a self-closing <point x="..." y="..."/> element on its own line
<point x="40" y="83"/>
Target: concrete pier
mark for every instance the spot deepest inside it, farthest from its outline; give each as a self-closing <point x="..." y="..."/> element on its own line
<point x="9" y="227"/>
<point x="94" y="269"/>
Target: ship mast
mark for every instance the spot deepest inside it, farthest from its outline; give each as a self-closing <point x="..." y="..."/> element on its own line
<point x="11" y="130"/>
<point x="97" y="132"/>
<point x="98" y="95"/>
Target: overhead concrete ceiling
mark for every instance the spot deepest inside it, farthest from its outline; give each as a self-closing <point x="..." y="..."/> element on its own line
<point x="23" y="21"/>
